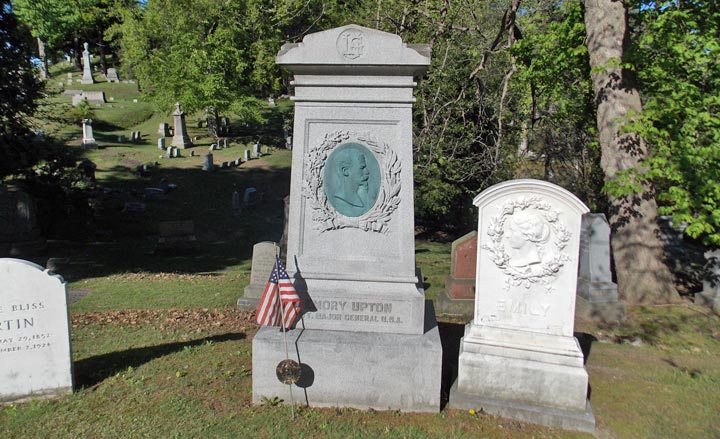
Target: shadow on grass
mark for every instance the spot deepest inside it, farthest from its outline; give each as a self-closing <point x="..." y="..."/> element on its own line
<point x="117" y="241"/>
<point x="94" y="370"/>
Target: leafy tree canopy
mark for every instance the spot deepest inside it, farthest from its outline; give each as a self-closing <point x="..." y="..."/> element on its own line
<point x="676" y="53"/>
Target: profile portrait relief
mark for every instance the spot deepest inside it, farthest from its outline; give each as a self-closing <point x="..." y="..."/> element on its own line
<point x="526" y="233"/>
<point x="351" y="179"/>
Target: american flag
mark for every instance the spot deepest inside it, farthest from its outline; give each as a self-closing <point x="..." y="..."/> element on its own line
<point x="268" y="311"/>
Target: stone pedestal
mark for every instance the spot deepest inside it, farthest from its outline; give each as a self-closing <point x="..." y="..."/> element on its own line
<point x="351" y="243"/>
<point x="518" y="357"/>
<point x="353" y="369"/>
<point x="87" y="77"/>
<point x="180" y="137"/>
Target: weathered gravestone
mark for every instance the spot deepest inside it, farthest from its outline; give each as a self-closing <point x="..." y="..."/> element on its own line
<point x="94" y="97"/>
<point x="208" y="162"/>
<point x="163" y="130"/>
<point x="19" y="229"/>
<point x="597" y="293"/>
<point x="161" y="143"/>
<point x="263" y="260"/>
<point x="370" y="339"/>
<point x="87" y="77"/>
<point x="519" y="358"/>
<point x="247" y="155"/>
<point x="112" y="75"/>
<point x="180" y="137"/>
<point x="710" y="294"/>
<point x="35" y="356"/>
<point x="88" y="140"/>
<point x="458" y="298"/>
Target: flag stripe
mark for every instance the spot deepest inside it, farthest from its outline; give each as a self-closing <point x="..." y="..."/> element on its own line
<point x="279" y="287"/>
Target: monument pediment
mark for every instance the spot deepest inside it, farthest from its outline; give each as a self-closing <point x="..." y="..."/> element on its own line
<point x="355" y="45"/>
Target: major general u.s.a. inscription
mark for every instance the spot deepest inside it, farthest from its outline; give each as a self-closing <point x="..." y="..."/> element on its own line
<point x="352" y="180"/>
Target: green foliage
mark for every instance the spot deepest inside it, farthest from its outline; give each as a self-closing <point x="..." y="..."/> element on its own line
<point x="19" y="93"/>
<point x="82" y="110"/>
<point x="211" y="55"/>
<point x="558" y="108"/>
<point x="676" y="55"/>
<point x="50" y="20"/>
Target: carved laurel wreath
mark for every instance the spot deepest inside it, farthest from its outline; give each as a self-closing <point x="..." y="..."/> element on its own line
<point x="543" y="272"/>
<point x="324" y="215"/>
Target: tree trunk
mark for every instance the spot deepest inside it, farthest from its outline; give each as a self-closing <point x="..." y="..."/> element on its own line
<point x="642" y="276"/>
<point x="77" y="54"/>
<point x="43" y="60"/>
<point x="103" y="66"/>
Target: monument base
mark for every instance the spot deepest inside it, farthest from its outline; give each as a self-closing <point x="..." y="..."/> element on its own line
<point x="87" y="81"/>
<point x="604" y="312"/>
<point x="353" y="369"/>
<point x="181" y="142"/>
<point x="524" y="372"/>
<point x="549" y="416"/>
<point x="455" y="307"/>
<point x="251" y="297"/>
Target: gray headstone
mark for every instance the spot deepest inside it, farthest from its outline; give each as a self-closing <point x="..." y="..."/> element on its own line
<point x="263" y="260"/>
<point x="169" y="152"/>
<point x="94" y="97"/>
<point x="34" y="332"/>
<point x="88" y="140"/>
<point x="176" y="152"/>
<point x="161" y="143"/>
<point x="208" y="162"/>
<point x="247" y="155"/>
<point x="710" y="295"/>
<point x="164" y="130"/>
<point x="595" y="278"/>
<point x="112" y="75"/>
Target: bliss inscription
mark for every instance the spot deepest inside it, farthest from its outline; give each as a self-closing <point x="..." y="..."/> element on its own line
<point x="16" y="332"/>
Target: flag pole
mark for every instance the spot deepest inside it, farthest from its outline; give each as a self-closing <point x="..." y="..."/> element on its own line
<point x="284" y="330"/>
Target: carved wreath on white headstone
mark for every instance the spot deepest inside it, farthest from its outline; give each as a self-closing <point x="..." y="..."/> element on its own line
<point x="552" y="259"/>
<point x="327" y="218"/>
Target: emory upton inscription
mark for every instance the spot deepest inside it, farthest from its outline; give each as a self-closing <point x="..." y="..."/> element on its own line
<point x="353" y="311"/>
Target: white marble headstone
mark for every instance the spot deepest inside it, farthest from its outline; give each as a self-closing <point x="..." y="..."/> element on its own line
<point x="529" y="234"/>
<point x="35" y="358"/>
<point x="519" y="357"/>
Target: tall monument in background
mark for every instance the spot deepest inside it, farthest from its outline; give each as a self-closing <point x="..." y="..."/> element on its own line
<point x="367" y="337"/>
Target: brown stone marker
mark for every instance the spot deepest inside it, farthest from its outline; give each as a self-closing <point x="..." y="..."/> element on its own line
<point x="461" y="282"/>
